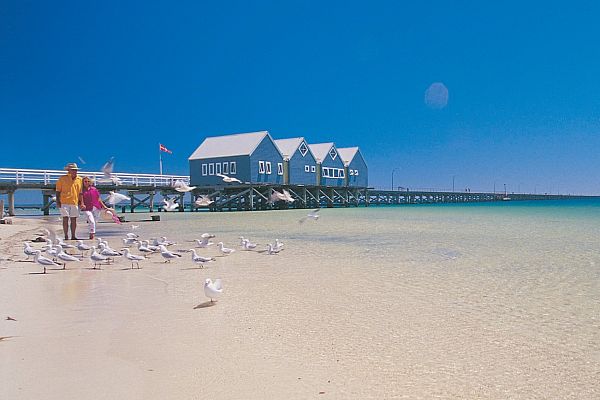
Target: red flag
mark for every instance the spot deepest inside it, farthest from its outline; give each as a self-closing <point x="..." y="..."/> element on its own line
<point x="163" y="148"/>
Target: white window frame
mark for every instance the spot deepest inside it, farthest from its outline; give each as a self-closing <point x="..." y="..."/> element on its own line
<point x="307" y="168"/>
<point x="211" y="168"/>
<point x="325" y="172"/>
<point x="218" y="168"/>
<point x="225" y="168"/>
<point x="232" y="168"/>
<point x="335" y="173"/>
<point x="351" y="172"/>
<point x="279" y="168"/>
<point x="313" y="168"/>
<point x="304" y="147"/>
<point x="268" y="167"/>
<point x="204" y="169"/>
<point x="342" y="174"/>
<point x="355" y="172"/>
<point x="261" y="167"/>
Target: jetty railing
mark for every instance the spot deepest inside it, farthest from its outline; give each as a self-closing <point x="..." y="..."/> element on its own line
<point x="49" y="177"/>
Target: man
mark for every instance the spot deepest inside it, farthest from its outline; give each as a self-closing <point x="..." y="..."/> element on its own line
<point x="69" y="199"/>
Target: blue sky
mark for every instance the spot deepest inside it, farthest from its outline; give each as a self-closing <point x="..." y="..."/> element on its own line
<point x="101" y="79"/>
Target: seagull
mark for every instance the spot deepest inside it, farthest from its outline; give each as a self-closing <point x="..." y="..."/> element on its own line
<point x="61" y="255"/>
<point x="65" y="245"/>
<point x="115" y="197"/>
<point x="134" y="227"/>
<point x="51" y="233"/>
<point x="52" y="251"/>
<point x="28" y="250"/>
<point x="163" y="240"/>
<point x="203" y="201"/>
<point x="168" y="255"/>
<point x="107" y="251"/>
<point x="132" y="257"/>
<point x="129" y="241"/>
<point x="248" y="245"/>
<point x="228" y="179"/>
<point x="142" y="246"/>
<point x="213" y="290"/>
<point x="199" y="259"/>
<point x="314" y="215"/>
<point x="97" y="258"/>
<point x="287" y="197"/>
<point x="170" y="205"/>
<point x="151" y="247"/>
<point x="82" y="247"/>
<point x="272" y="250"/>
<point x="43" y="261"/>
<point x="182" y="187"/>
<point x="206" y="235"/>
<point x="278" y="245"/>
<point x="204" y="243"/>
<point x="107" y="171"/>
<point x="225" y="250"/>
<point x="131" y="235"/>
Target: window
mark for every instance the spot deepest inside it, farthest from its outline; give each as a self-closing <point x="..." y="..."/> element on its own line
<point x="355" y="172"/>
<point x="351" y="171"/>
<point x="261" y="167"/>
<point x="232" y="168"/>
<point x="303" y="149"/>
<point x="268" y="165"/>
<point x="332" y="153"/>
<point x="204" y="169"/>
<point x="313" y="169"/>
<point x="218" y="168"/>
<point x="325" y="172"/>
<point x="225" y="167"/>
<point x="342" y="174"/>
<point x="279" y="168"/>
<point x="335" y="172"/>
<point x="211" y="169"/>
<point x="307" y="168"/>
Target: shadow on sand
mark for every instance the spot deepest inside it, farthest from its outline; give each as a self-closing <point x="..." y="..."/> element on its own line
<point x="205" y="304"/>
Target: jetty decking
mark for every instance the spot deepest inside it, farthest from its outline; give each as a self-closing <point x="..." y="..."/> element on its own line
<point x="142" y="189"/>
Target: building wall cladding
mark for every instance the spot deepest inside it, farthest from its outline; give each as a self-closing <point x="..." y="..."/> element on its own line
<point x="297" y="167"/>
<point x="358" y="164"/>
<point x="266" y="158"/>
<point x="201" y="172"/>
<point x="336" y="163"/>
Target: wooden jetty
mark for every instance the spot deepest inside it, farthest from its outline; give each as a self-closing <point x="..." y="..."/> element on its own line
<point x="142" y="189"/>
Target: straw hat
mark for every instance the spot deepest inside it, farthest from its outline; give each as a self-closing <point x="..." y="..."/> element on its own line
<point x="71" y="165"/>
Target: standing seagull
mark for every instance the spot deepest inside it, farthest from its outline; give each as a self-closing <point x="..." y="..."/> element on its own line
<point x="199" y="259"/>
<point x="61" y="255"/>
<point x="213" y="290"/>
<point x="168" y="255"/>
<point x="43" y="261"/>
<point x="225" y="250"/>
<point x="82" y="247"/>
<point x="133" y="258"/>
<point x="28" y="250"/>
<point x="314" y="215"/>
<point x="228" y="179"/>
<point x="97" y="258"/>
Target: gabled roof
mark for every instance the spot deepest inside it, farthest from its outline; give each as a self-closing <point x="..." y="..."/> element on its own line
<point x="288" y="147"/>
<point x="347" y="154"/>
<point x="239" y="144"/>
<point x="320" y="150"/>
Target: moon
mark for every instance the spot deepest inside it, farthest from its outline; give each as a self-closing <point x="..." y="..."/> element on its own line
<point x="436" y="96"/>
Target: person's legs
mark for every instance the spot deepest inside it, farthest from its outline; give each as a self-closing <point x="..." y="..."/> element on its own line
<point x="73" y="227"/>
<point x="66" y="227"/>
<point x="91" y="218"/>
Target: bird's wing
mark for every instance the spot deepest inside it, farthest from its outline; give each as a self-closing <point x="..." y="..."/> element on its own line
<point x="218" y="284"/>
<point x="108" y="167"/>
<point x="222" y="176"/>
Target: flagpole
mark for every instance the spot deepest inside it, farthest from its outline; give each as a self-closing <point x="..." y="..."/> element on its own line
<point x="160" y="159"/>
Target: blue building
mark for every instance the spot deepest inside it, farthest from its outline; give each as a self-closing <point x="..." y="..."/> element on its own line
<point x="330" y="167"/>
<point x="355" y="165"/>
<point x="250" y="157"/>
<point x="299" y="163"/>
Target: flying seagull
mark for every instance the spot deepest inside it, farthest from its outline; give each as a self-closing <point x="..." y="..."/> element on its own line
<point x="314" y="215"/>
<point x="228" y="179"/>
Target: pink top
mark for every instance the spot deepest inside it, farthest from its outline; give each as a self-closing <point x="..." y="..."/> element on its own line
<point x="91" y="198"/>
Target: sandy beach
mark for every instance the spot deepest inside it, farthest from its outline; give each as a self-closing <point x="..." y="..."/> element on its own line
<point x="310" y="322"/>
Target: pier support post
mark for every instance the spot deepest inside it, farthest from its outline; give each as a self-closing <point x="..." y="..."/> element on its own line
<point x="1" y="208"/>
<point x="11" y="203"/>
<point x="46" y="202"/>
<point x="182" y="204"/>
<point x="151" y="205"/>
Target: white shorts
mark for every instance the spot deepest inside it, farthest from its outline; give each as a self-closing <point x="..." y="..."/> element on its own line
<point x="69" y="210"/>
